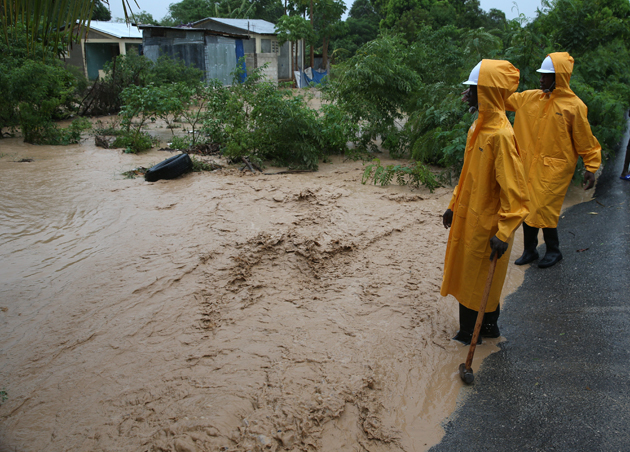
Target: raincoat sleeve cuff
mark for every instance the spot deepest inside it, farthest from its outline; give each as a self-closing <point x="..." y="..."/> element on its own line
<point x="501" y="236"/>
<point x="593" y="160"/>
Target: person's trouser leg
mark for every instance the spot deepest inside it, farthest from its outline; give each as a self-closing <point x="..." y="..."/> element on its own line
<point x="530" y="236"/>
<point x="467" y="320"/>
<point x="552" y="254"/>
<point x="489" y="327"/>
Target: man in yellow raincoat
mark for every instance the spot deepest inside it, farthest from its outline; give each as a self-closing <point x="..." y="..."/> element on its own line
<point x="552" y="130"/>
<point x="489" y="202"/>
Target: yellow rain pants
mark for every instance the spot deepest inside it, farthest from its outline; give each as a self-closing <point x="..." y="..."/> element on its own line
<point x="490" y="198"/>
<point x="552" y="130"/>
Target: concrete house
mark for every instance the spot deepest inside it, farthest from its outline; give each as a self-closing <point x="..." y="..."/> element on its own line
<point x="101" y="44"/>
<point x="262" y="47"/>
<point x="216" y="53"/>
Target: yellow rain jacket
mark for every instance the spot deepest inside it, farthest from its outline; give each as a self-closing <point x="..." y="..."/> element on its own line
<point x="490" y="198"/>
<point x="552" y="130"/>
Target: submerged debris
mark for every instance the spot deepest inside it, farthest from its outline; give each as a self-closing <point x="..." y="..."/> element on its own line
<point x="132" y="174"/>
<point x="104" y="141"/>
<point x="205" y="149"/>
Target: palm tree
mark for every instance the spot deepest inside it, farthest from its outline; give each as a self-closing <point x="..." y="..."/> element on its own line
<point x="46" y="21"/>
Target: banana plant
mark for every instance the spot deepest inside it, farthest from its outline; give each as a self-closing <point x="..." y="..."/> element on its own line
<point x="49" y="22"/>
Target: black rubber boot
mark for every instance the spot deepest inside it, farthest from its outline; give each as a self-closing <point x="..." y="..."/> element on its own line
<point x="553" y="254"/>
<point x="467" y="320"/>
<point x="489" y="327"/>
<point x="530" y="254"/>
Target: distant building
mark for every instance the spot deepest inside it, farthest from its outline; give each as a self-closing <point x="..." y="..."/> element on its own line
<point x="103" y="42"/>
<point x="262" y="47"/>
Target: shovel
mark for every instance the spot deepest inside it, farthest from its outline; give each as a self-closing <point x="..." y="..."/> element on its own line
<point x="465" y="369"/>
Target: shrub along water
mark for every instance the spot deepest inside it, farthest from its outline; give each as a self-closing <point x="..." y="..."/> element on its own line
<point x="258" y="120"/>
<point x="35" y="90"/>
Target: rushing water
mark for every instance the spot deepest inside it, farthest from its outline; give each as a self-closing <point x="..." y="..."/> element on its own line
<point x="137" y="315"/>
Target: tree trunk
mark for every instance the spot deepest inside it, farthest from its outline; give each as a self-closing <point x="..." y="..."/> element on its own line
<point x="297" y="51"/>
<point x="312" y="49"/>
<point x="291" y="58"/>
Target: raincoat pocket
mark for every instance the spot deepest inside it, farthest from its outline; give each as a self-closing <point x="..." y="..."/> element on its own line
<point x="553" y="175"/>
<point x="485" y="228"/>
<point x="465" y="225"/>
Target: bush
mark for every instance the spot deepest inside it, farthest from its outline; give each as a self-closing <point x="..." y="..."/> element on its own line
<point x="134" y="142"/>
<point x="36" y="89"/>
<point x="373" y="88"/>
<point x="145" y="103"/>
<point x="337" y="129"/>
<point x="258" y="120"/>
<point x="34" y="93"/>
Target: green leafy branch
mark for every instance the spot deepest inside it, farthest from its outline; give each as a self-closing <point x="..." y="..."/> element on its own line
<point x="415" y="174"/>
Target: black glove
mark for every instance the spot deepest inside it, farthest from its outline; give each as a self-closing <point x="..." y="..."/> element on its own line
<point x="498" y="247"/>
<point x="447" y="218"/>
<point x="589" y="180"/>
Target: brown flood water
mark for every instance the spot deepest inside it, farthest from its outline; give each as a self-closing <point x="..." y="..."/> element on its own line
<point x="221" y="311"/>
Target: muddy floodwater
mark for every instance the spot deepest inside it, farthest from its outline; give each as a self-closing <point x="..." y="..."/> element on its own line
<point x="221" y="311"/>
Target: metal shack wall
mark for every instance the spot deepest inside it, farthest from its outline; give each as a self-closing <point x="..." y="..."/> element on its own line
<point x="220" y="58"/>
<point x="214" y="55"/>
<point x="184" y="45"/>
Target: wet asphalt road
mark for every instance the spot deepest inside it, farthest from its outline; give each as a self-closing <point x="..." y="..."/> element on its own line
<point x="561" y="381"/>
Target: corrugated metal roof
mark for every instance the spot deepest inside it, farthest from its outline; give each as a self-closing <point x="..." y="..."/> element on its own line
<point x="253" y="25"/>
<point x="116" y="29"/>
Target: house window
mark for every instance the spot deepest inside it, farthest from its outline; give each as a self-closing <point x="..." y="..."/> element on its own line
<point x="265" y="46"/>
<point x="274" y="47"/>
<point x="249" y="45"/>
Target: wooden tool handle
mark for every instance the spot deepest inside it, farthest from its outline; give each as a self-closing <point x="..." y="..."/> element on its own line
<point x="482" y="311"/>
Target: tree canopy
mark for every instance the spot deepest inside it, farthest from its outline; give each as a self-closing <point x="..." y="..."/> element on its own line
<point x="188" y="11"/>
<point x="101" y="12"/>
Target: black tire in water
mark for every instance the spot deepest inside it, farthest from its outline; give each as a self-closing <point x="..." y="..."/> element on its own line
<point x="170" y="168"/>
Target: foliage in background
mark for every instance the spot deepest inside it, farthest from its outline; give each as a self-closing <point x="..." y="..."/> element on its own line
<point x="374" y="88"/>
<point x="189" y="11"/>
<point x="327" y="24"/>
<point x="104" y="97"/>
<point x="101" y="12"/>
<point x="35" y="90"/>
<point x="441" y="50"/>
<point x="438" y="120"/>
<point x="292" y="29"/>
<point x="258" y="120"/>
<point x="360" y="27"/>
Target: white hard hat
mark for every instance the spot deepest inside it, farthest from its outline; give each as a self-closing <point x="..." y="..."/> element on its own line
<point x="473" y="78"/>
<point x="547" y="67"/>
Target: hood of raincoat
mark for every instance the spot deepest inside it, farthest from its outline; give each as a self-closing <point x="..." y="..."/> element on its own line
<point x="498" y="80"/>
<point x="563" y="65"/>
